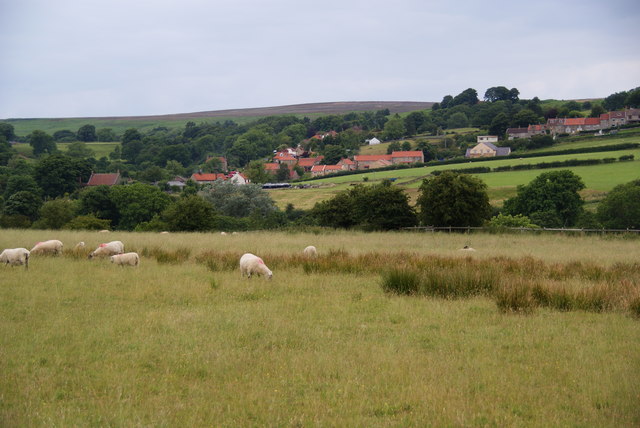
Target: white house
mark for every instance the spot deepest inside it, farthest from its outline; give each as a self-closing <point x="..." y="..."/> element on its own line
<point x="487" y="139"/>
<point x="373" y="141"/>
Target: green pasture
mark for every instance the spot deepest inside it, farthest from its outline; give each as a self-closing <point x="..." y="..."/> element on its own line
<point x="87" y="343"/>
<point x="100" y="149"/>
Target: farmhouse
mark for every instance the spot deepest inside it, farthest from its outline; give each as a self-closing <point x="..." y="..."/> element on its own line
<point x="204" y="178"/>
<point x="320" y="170"/>
<point x="372" y="141"/>
<point x="371" y="161"/>
<point x="405" y="157"/>
<point x="487" y="150"/>
<point x="487" y="139"/>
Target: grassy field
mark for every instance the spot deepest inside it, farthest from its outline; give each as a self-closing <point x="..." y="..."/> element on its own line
<point x="180" y="344"/>
<point x="598" y="178"/>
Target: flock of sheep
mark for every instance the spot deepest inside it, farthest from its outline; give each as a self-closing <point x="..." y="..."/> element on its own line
<point x="250" y="264"/>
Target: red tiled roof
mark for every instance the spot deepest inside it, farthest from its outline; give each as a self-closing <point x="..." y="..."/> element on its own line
<point x="604" y="116"/>
<point x="574" y="121"/>
<point x="103" y="179"/>
<point x="370" y="158"/>
<point x="592" y="121"/>
<point x="347" y="161"/>
<point x="308" y="161"/>
<point x="208" y="177"/>
<point x="272" y="166"/>
<point x="407" y="154"/>
<point x="286" y="158"/>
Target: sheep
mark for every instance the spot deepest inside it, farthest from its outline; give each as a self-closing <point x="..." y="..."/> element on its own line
<point x="79" y="245"/>
<point x="108" y="249"/>
<point x="52" y="246"/>
<point x="223" y="233"/>
<point x="104" y="231"/>
<point x="466" y="248"/>
<point x="310" y="252"/>
<point x="250" y="264"/>
<point x="131" y="259"/>
<point x="15" y="257"/>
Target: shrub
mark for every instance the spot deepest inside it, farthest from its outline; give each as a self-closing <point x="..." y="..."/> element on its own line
<point x="88" y="222"/>
<point x="464" y="281"/>
<point x="515" y="297"/>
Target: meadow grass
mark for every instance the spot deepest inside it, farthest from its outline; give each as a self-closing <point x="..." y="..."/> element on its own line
<point x="182" y="340"/>
<point x="100" y="149"/>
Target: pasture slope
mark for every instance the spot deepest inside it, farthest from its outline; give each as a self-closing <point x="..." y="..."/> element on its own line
<point x="182" y="340"/>
<point x="119" y="124"/>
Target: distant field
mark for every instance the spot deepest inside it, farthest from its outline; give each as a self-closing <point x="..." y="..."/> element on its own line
<point x="146" y="123"/>
<point x="100" y="148"/>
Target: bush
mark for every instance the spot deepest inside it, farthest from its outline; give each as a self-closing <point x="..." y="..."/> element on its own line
<point x="515" y="297"/>
<point x="88" y="222"/>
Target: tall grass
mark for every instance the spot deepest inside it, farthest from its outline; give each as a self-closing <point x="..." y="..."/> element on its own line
<point x="182" y="340"/>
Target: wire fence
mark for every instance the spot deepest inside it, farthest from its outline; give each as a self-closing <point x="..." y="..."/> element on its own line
<point x="469" y="229"/>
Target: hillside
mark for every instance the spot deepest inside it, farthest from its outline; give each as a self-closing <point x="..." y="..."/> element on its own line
<point x="24" y="126"/>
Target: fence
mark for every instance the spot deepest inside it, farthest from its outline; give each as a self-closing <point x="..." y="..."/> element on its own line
<point x="469" y="229"/>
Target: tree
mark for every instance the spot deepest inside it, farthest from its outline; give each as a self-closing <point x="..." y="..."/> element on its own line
<point x="394" y="128"/>
<point x="59" y="174"/>
<point x="137" y="203"/>
<point x="64" y="135"/>
<point x="16" y="183"/>
<point x="54" y="214"/>
<point x="41" y="143"/>
<point x="633" y="98"/>
<point x="333" y="154"/>
<point x="620" y="209"/>
<point x="283" y="173"/>
<point x="524" y="118"/>
<point x="87" y="133"/>
<point x="549" y="200"/>
<point x="106" y="134"/>
<point x="597" y="110"/>
<point x="453" y="199"/>
<point x="97" y="201"/>
<point x="79" y="149"/>
<point x="499" y="124"/>
<point x="23" y="203"/>
<point x="238" y="201"/>
<point x="458" y="120"/>
<point x="7" y="130"/>
<point x="190" y="214"/>
<point x="378" y="207"/>
<point x="615" y="101"/>
<point x="256" y="173"/>
<point x="468" y="96"/>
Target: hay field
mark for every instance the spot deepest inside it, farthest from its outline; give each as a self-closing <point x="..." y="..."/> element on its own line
<point x="184" y="341"/>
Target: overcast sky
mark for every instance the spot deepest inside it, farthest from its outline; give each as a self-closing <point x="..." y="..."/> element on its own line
<point x="81" y="58"/>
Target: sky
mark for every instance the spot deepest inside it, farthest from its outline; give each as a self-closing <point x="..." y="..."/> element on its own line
<point x="93" y="58"/>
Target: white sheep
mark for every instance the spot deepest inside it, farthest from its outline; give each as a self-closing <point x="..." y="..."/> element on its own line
<point x="310" y="252"/>
<point x="79" y="245"/>
<point x="223" y="233"/>
<point x="250" y="264"/>
<point x="15" y="257"/>
<point x="466" y="248"/>
<point x="108" y="249"/>
<point x="131" y="259"/>
<point x="104" y="231"/>
<point x="52" y="246"/>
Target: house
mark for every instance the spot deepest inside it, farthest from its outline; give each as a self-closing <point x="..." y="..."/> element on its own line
<point x="307" y="163"/>
<point x="372" y="141"/>
<point x="487" y="150"/>
<point x="347" y="164"/>
<point x="487" y="139"/>
<point x="103" y="179"/>
<point x="406" y="157"/>
<point x="320" y="170"/>
<point x="204" y="178"/>
<point x="179" y="182"/>
<point x="517" y="133"/>
<point x="371" y="161"/>
<point x="236" y="177"/>
<point x="286" y="159"/>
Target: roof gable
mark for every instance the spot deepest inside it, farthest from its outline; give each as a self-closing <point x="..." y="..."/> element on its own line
<point x="103" y="179"/>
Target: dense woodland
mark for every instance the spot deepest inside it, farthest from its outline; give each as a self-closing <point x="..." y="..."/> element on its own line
<point x="46" y="192"/>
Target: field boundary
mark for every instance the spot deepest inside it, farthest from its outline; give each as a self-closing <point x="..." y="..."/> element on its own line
<point x="469" y="229"/>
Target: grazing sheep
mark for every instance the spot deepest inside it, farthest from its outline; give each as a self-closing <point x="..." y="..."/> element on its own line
<point x="131" y="259"/>
<point x="108" y="249"/>
<point x="164" y="232"/>
<point x="466" y="248"/>
<point x="223" y="233"/>
<point x="15" y="257"/>
<point x="310" y="252"/>
<point x="250" y="264"/>
<point x="104" y="231"/>
<point x="52" y="246"/>
<point x="79" y="245"/>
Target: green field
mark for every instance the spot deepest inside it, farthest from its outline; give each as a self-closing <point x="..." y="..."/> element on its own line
<point x="100" y="148"/>
<point x="597" y="178"/>
<point x="87" y="343"/>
